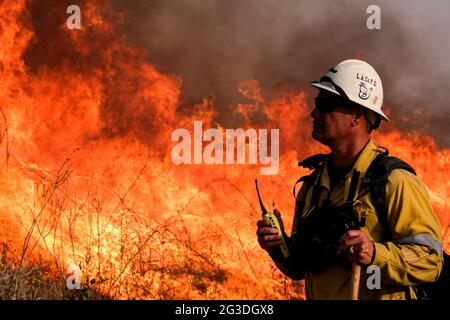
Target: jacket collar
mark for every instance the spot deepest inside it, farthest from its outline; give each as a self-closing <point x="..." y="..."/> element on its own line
<point x="362" y="163"/>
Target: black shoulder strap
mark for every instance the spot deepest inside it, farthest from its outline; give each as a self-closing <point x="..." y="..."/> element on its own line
<point x="313" y="163"/>
<point x="353" y="185"/>
<point x="376" y="180"/>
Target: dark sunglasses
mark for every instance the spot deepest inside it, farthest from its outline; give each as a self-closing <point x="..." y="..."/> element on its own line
<point x="327" y="105"/>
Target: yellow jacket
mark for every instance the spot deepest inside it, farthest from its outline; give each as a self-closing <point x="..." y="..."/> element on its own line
<point x="410" y="256"/>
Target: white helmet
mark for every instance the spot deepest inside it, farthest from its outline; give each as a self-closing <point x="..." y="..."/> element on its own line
<point x="356" y="81"/>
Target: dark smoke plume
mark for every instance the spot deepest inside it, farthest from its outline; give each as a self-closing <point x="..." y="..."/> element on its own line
<point x="214" y="44"/>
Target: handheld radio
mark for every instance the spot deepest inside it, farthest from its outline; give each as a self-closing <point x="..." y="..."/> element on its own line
<point x="273" y="220"/>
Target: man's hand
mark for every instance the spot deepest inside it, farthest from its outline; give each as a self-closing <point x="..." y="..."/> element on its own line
<point x="357" y="245"/>
<point x="268" y="237"/>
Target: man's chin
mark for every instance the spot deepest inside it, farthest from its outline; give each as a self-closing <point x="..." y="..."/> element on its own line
<point x="319" y="137"/>
<point x="316" y="136"/>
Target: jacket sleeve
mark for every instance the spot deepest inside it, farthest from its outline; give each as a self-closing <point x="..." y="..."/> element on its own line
<point x="289" y="266"/>
<point x="415" y="254"/>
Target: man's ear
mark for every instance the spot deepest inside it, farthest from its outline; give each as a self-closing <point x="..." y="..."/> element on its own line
<point x="355" y="120"/>
<point x="357" y="116"/>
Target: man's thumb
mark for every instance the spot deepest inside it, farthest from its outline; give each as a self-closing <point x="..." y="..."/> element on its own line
<point x="277" y="213"/>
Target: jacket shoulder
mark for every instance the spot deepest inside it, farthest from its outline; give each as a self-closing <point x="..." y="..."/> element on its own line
<point x="399" y="177"/>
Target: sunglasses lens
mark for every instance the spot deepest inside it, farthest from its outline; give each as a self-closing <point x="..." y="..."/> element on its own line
<point x="325" y="105"/>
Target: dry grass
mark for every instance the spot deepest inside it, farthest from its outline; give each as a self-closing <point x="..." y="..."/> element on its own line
<point x="36" y="281"/>
<point x="26" y="282"/>
<point x="123" y="249"/>
<point x="129" y="258"/>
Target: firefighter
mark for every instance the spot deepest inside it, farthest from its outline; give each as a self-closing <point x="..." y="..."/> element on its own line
<point x="405" y="246"/>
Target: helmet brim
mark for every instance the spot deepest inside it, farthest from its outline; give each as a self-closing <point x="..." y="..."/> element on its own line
<point x="326" y="87"/>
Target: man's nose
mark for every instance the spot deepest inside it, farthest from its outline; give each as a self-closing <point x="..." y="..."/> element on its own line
<point x="315" y="113"/>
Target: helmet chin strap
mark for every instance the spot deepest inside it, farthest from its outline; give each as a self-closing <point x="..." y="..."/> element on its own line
<point x="374" y="120"/>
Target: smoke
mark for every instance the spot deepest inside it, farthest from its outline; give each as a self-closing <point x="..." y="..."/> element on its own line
<point x="213" y="45"/>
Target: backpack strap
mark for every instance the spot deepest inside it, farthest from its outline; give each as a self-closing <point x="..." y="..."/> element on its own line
<point x="376" y="179"/>
<point x="316" y="163"/>
<point x="313" y="162"/>
<point x="353" y="185"/>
